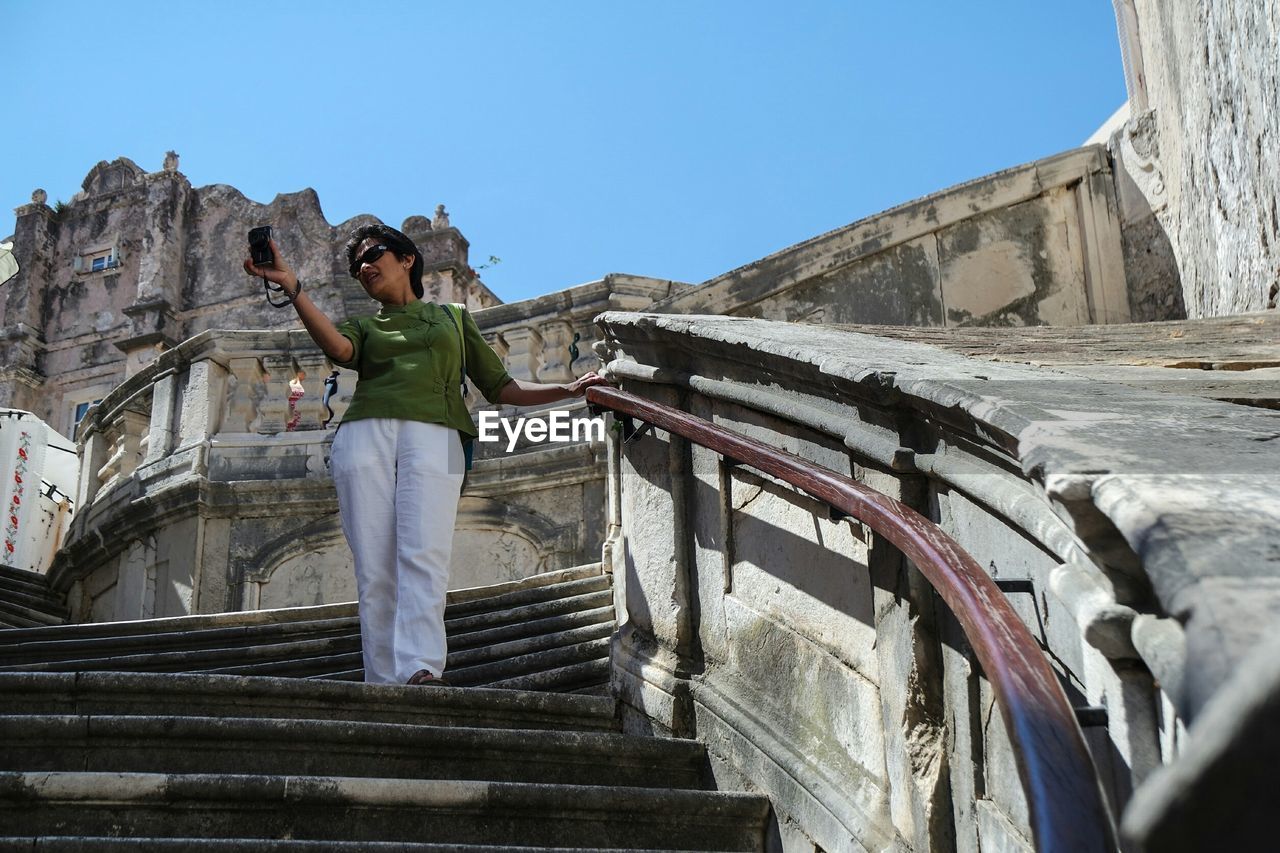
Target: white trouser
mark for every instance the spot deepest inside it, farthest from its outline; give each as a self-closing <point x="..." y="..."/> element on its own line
<point x="398" y="483"/>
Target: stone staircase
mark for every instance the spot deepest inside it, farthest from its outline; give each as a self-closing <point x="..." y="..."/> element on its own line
<point x="549" y="632"/>
<point x="26" y="600"/>
<point x="203" y="745"/>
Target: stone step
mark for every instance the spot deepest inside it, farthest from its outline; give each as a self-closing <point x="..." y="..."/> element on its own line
<point x="568" y="668"/>
<point x="12" y="577"/>
<point x="552" y="634"/>
<point x="582" y="677"/>
<point x="21" y="617"/>
<point x="315" y="666"/>
<point x="460" y="641"/>
<point x="258" y="746"/>
<point x="92" y="844"/>
<point x="86" y="648"/>
<point x="550" y="649"/>
<point x="143" y="694"/>
<point x="142" y="805"/>
<point x="195" y="660"/>
<point x="522" y="597"/>
<point x="589" y="570"/>
<point x="536" y="610"/>
<point x="37" y="599"/>
<point x="26" y="601"/>
<point x="528" y="664"/>
<point x="113" y="645"/>
<point x="520" y="629"/>
<point x="252" y="618"/>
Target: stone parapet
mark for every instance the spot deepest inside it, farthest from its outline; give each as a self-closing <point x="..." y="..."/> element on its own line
<point x="820" y="668"/>
<point x="1032" y="245"/>
<point x="197" y="467"/>
<point x="550" y="338"/>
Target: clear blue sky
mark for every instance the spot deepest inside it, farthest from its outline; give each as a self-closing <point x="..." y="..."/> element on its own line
<point x="571" y="139"/>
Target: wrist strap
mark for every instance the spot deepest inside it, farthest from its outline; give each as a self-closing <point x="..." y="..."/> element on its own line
<point x="279" y="288"/>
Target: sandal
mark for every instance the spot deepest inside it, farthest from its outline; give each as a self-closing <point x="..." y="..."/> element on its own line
<point x="424" y="678"/>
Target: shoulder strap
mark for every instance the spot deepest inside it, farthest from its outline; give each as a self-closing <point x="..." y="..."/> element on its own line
<point x="454" y="310"/>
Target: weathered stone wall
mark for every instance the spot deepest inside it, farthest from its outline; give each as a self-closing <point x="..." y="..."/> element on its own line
<point x="1037" y="244"/>
<point x="818" y="667"/>
<point x="70" y="333"/>
<point x="1201" y="147"/>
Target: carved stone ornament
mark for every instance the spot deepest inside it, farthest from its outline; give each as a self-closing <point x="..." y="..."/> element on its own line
<point x="171" y="161"/>
<point x="441" y="219"/>
<point x="39" y="196"/>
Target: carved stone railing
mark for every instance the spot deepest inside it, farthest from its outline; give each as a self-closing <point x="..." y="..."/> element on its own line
<point x="215" y="387"/>
<point x="194" y="468"/>
<point x="812" y="659"/>
<point x="1067" y="812"/>
<point x="549" y="338"/>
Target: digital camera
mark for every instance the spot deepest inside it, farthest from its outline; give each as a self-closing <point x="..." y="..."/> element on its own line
<point x="260" y="246"/>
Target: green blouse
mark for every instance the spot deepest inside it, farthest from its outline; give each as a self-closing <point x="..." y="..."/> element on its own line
<point x="409" y="363"/>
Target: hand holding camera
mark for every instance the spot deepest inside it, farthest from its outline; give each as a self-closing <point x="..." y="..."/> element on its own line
<point x="265" y="262"/>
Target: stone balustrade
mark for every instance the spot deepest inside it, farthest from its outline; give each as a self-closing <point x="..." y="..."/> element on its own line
<point x="215" y="390"/>
<point x="549" y="338"/>
<point x="198" y="465"/>
<point x="817" y="664"/>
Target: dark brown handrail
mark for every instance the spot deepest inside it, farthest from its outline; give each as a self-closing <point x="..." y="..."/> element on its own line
<point x="1065" y="801"/>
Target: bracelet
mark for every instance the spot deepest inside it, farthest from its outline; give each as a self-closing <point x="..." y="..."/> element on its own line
<point x="296" y="291"/>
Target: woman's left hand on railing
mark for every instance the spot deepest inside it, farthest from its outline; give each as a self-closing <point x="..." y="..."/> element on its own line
<point x="579" y="386"/>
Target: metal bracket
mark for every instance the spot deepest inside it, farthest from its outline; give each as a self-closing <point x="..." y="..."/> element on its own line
<point x="1008" y="585"/>
<point x="630" y="432"/>
<point x="1091" y="716"/>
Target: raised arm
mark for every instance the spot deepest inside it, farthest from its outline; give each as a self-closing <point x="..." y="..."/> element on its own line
<point x="321" y="328"/>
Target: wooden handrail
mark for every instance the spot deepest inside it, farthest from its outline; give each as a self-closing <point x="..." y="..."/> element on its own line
<point x="1058" y="777"/>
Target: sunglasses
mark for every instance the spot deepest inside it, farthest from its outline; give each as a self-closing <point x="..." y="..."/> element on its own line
<point x="370" y="256"/>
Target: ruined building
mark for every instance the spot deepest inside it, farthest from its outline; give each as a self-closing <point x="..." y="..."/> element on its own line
<point x="1012" y="582"/>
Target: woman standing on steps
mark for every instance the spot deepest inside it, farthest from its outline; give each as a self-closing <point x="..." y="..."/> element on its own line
<point x="397" y="459"/>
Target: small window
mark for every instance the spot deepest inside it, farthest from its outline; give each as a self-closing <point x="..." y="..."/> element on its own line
<point x="81" y="410"/>
<point x="102" y="261"/>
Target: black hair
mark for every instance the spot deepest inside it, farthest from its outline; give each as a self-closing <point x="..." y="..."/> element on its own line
<point x="399" y="244"/>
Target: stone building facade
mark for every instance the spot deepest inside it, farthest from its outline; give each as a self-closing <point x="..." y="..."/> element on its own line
<point x="138" y="262"/>
<point x="1170" y="219"/>
<point x="1197" y="156"/>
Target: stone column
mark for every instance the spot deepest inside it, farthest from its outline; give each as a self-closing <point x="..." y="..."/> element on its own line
<point x="134" y="433"/>
<point x="311" y="406"/>
<point x="555" y="357"/>
<point x="273" y="407"/>
<point x="106" y="473"/>
<point x="202" y="400"/>
<point x="244" y="397"/>
<point x="524" y="346"/>
<point x="160" y="435"/>
<point x="93" y="454"/>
